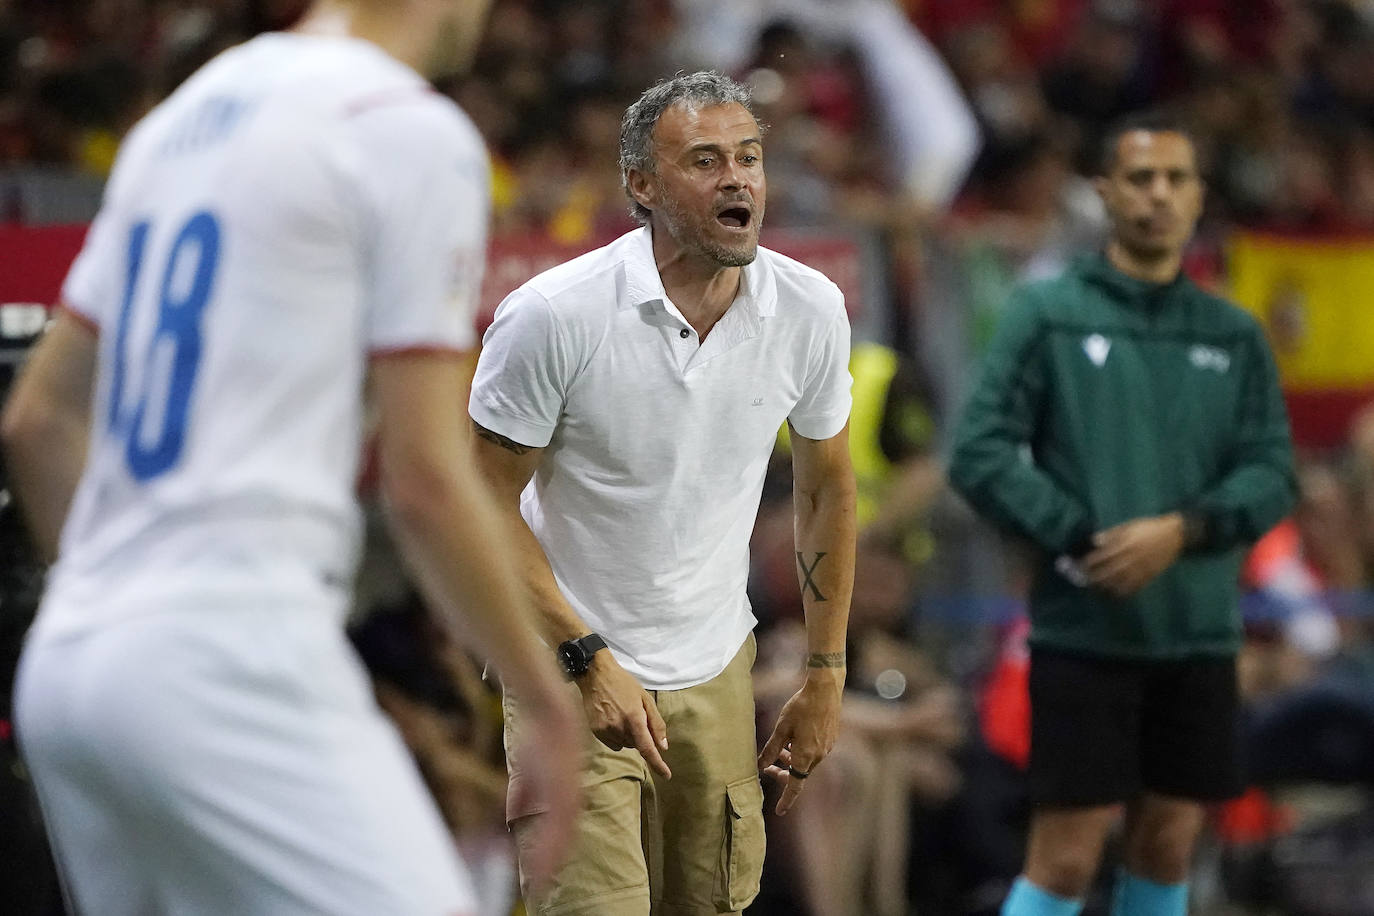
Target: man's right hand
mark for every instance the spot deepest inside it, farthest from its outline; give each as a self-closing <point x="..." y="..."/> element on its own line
<point x="1127" y="557"/>
<point x="621" y="713"/>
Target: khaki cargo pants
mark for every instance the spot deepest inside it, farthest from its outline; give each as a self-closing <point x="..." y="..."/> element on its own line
<point x="689" y="846"/>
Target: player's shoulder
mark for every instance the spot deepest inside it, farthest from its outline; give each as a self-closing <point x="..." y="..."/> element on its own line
<point x="317" y="80"/>
<point x="403" y="137"/>
<point x="336" y="72"/>
<point x="374" y="94"/>
<point x="311" y="80"/>
<point x="402" y="108"/>
<point x="801" y="288"/>
<point x="148" y="136"/>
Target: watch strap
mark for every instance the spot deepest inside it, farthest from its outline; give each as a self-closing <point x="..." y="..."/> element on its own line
<point x="591" y="644"/>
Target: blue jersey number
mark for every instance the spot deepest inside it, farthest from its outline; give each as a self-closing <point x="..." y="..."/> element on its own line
<point x="154" y="431"/>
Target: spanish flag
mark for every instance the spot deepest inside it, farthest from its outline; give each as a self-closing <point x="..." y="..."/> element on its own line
<point x="1315" y="298"/>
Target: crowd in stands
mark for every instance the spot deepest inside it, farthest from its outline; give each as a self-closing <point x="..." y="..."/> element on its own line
<point x="1281" y="92"/>
<point x="957" y="138"/>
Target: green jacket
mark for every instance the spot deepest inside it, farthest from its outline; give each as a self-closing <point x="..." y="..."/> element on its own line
<point x="1105" y="399"/>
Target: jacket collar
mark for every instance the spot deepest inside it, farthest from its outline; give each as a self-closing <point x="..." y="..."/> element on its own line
<point x="1100" y="271"/>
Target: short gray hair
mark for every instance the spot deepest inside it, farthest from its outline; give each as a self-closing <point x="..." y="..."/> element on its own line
<point x="702" y="89"/>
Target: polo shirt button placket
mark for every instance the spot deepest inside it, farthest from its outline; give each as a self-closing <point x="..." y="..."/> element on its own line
<point x="684" y="333"/>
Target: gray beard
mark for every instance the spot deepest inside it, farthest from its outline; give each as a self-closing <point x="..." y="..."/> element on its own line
<point x="680" y="227"/>
<point x="728" y="257"/>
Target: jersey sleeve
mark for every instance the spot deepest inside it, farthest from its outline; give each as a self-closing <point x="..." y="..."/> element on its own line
<point x="94" y="284"/>
<point x="523" y="371"/>
<point x="823" y="408"/>
<point x="104" y="271"/>
<point x="426" y="197"/>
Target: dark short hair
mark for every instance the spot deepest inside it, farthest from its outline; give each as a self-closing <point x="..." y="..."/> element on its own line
<point x="696" y="90"/>
<point x="1154" y="122"/>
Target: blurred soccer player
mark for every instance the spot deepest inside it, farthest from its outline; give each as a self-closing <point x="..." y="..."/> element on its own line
<point x="302" y="219"/>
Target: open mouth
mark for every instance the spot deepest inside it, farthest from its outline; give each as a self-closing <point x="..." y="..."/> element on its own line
<point x="734" y="217"/>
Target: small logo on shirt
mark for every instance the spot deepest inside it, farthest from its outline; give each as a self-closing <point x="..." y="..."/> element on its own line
<point x="757" y="402"/>
<point x="1204" y="357"/>
<point x="1097" y="347"/>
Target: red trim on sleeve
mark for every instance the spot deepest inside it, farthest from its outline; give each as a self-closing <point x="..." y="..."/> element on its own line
<point x="420" y="350"/>
<point x="369" y="469"/>
<point x="81" y="318"/>
<point x="388" y="97"/>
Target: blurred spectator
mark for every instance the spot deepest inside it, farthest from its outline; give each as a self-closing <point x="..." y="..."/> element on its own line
<point x="1281" y="91"/>
<point x="29" y="884"/>
<point x="1102" y="75"/>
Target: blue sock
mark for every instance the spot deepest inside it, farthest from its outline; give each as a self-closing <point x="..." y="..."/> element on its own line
<point x="1027" y="899"/>
<point x="1137" y="896"/>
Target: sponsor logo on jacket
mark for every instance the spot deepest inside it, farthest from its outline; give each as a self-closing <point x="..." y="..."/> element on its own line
<point x="1205" y="357"/>
<point x="1097" y="347"/>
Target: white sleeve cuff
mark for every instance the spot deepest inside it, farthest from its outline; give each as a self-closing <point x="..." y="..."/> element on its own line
<point x="533" y="435"/>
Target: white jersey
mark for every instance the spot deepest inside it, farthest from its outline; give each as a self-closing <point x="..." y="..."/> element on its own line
<point x="300" y="203"/>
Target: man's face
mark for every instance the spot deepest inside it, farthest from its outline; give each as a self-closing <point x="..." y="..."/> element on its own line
<point x="1153" y="192"/>
<point x="707" y="188"/>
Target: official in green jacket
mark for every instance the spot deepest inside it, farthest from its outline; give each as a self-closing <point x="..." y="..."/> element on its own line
<point x="1131" y="427"/>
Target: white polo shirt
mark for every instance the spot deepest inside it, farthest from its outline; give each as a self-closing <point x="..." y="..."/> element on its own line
<point x="656" y="443"/>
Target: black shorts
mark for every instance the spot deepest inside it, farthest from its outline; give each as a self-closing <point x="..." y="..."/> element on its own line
<point x="1105" y="730"/>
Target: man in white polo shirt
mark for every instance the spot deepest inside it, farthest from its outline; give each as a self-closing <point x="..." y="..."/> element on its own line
<point x="626" y="404"/>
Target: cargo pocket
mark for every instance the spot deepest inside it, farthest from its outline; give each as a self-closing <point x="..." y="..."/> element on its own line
<point x="741" y="853"/>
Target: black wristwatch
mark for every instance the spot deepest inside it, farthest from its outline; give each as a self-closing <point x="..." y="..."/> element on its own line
<point x="575" y="655"/>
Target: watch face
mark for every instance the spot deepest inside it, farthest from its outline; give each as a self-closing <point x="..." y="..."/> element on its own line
<point x="571" y="657"/>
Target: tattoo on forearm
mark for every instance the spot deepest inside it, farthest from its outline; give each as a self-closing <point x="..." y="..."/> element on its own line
<point x="825" y="660"/>
<point x="808" y="582"/>
<point x="509" y="445"/>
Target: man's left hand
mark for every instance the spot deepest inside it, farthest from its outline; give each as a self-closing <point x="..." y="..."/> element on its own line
<point x="1129" y="556"/>
<point x="805" y="733"/>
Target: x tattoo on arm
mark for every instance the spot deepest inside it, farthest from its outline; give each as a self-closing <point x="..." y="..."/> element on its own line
<point x="810" y="583"/>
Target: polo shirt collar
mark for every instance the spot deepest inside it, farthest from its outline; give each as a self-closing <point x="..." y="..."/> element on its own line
<point x="758" y="292"/>
<point x="642" y="282"/>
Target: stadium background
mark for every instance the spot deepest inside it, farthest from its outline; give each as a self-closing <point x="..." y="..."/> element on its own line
<point x="927" y="154"/>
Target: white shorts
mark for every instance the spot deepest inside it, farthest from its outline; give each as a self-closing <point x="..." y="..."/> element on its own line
<point x="216" y="762"/>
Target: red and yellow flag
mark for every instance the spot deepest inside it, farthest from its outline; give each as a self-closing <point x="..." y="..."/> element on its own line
<point x="1315" y="298"/>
